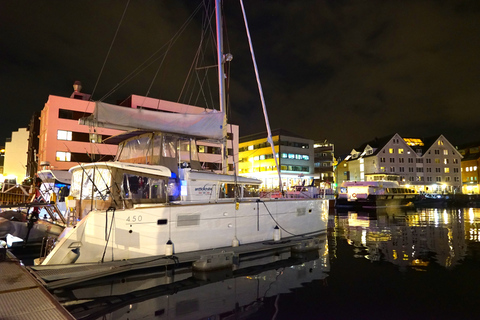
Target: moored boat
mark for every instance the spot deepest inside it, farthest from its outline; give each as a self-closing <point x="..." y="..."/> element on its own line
<point x="374" y="194"/>
<point x="155" y="199"/>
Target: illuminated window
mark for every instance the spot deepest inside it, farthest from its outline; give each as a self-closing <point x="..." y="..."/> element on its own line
<point x="445" y="152"/>
<point x="63" y="156"/>
<point x="391" y="150"/>
<point x="64" y="135"/>
<point x="291" y="156"/>
<point x="400" y="151"/>
<point x="447" y="170"/>
<point x="250" y="147"/>
<point x="284" y="155"/>
<point x="255" y="158"/>
<point x="305" y="157"/>
<point x="440" y="142"/>
<point x="445" y="161"/>
<point x="437" y="160"/>
<point x="475" y="168"/>
<point x="298" y="156"/>
<point x="262" y="157"/>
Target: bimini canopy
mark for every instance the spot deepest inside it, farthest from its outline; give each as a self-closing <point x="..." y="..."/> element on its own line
<point x="205" y="124"/>
<point x="144" y="169"/>
<point x="55" y="176"/>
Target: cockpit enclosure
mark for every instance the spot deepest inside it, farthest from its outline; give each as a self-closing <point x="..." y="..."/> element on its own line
<point x="157" y="148"/>
<point x="155" y="168"/>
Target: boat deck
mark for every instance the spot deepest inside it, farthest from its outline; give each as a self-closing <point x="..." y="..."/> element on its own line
<point x="60" y="276"/>
<point x="23" y="297"/>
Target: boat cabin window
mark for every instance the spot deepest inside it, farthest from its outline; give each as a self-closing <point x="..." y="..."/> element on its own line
<point x="251" y="190"/>
<point x="227" y="190"/>
<point x="135" y="150"/>
<point x="91" y="183"/>
<point x="141" y="189"/>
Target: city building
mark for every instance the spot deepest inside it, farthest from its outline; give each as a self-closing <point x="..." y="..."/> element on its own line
<point x="324" y="162"/>
<point x="295" y="156"/>
<point x="470" y="166"/>
<point x="15" y="161"/>
<point x="430" y="165"/>
<point x="63" y="142"/>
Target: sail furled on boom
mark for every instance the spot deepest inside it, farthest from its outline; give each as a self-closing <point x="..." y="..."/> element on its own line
<point x="206" y="124"/>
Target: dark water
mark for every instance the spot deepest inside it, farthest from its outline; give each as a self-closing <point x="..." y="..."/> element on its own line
<point x="395" y="264"/>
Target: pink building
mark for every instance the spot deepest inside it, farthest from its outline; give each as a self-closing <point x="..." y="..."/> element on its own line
<point x="63" y="142"/>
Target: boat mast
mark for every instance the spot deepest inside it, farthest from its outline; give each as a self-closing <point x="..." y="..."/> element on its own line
<point x="260" y="90"/>
<point x="221" y="82"/>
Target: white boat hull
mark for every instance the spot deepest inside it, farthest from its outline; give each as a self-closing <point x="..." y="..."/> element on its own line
<point x="145" y="230"/>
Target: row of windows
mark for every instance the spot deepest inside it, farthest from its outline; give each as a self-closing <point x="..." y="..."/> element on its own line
<point x="470" y="169"/>
<point x="402" y="151"/>
<point x="428" y="160"/>
<point x="295" y="156"/>
<point x="80" y="136"/>
<point x="257" y="146"/>
<point x="272" y="168"/>
<point x="80" y="157"/>
<point x="291" y="156"/>
<point x="276" y="143"/>
<point x="430" y="179"/>
<point x="411" y="169"/>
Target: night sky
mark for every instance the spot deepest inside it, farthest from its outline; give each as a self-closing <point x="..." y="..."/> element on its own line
<point x="341" y="70"/>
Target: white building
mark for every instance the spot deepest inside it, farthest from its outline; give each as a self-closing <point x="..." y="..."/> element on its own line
<point x="429" y="165"/>
<point x="15" y="163"/>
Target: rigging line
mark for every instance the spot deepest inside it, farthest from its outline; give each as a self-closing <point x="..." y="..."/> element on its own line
<point x="111" y="46"/>
<point x="260" y="90"/>
<point x="107" y="237"/>
<point x="194" y="62"/>
<point x="298" y="235"/>
<point x="147" y="62"/>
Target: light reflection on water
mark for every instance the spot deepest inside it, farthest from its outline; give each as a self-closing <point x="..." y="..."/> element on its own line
<point x="381" y="264"/>
<point x="409" y="237"/>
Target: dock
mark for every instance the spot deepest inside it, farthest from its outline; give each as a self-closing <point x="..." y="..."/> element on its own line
<point x="22" y="296"/>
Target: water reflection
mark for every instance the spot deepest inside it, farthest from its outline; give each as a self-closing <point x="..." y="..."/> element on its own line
<point x="255" y="284"/>
<point x="410" y="237"/>
<point x="388" y="263"/>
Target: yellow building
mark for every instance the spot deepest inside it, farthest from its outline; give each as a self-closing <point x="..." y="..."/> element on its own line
<point x="295" y="156"/>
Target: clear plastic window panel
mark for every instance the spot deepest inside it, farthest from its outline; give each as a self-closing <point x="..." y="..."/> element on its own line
<point x="99" y="184"/>
<point x="137" y="188"/>
<point x="136" y="150"/>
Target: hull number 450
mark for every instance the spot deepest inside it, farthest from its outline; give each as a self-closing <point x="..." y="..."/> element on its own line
<point x="134" y="219"/>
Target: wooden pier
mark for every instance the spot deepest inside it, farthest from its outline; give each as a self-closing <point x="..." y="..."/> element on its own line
<point x="22" y="296"/>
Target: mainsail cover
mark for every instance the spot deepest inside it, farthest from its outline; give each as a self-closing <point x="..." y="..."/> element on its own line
<point x="205" y="124"/>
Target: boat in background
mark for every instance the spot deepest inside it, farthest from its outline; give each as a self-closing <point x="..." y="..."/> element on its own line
<point x="380" y="190"/>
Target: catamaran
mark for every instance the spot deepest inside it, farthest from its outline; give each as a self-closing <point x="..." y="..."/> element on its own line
<point x="155" y="199"/>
